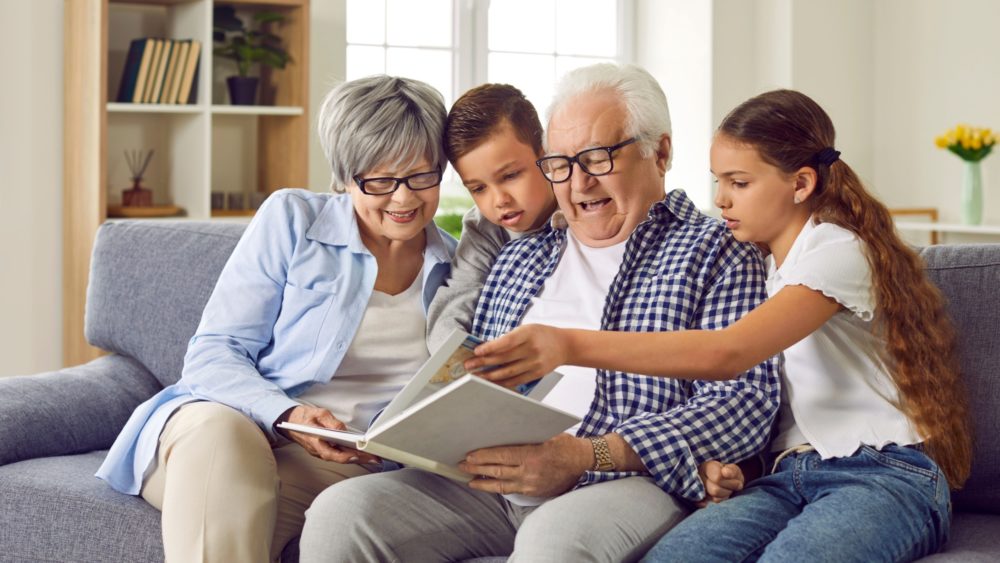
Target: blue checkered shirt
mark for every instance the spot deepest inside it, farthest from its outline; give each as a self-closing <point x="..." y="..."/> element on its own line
<point x="681" y="270"/>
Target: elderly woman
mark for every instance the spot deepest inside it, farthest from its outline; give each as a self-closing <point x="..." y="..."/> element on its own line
<point x="317" y="318"/>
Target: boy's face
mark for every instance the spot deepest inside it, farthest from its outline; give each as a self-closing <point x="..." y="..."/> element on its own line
<point x="505" y="184"/>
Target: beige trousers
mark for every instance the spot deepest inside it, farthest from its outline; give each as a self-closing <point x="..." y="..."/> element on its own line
<point x="225" y="494"/>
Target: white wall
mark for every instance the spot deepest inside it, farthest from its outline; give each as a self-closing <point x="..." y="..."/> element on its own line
<point x="327" y="67"/>
<point x="670" y="42"/>
<point x="31" y="188"/>
<point x="937" y="65"/>
<point x="820" y="48"/>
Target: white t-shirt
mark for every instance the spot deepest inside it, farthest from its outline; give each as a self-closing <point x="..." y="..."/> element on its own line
<point x="837" y="394"/>
<point x="388" y="349"/>
<point x="573" y="297"/>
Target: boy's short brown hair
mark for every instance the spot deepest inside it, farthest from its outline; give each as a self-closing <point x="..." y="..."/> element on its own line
<point x="481" y="111"/>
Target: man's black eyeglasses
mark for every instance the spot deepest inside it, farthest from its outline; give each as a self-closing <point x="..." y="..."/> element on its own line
<point x="597" y="161"/>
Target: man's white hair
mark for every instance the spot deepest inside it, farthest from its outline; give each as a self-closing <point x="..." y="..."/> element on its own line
<point x="647" y="116"/>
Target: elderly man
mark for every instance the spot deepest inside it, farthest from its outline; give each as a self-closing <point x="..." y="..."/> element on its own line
<point x="619" y="255"/>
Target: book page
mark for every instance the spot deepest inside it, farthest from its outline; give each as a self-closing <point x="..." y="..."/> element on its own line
<point x="438" y="371"/>
<point x="346" y="438"/>
<point x="469" y="414"/>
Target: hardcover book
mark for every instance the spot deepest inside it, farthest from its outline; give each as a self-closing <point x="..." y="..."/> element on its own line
<point x="443" y="413"/>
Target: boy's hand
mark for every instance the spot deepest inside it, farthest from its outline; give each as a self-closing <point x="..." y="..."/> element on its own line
<point x="721" y="481"/>
<point x="527" y="353"/>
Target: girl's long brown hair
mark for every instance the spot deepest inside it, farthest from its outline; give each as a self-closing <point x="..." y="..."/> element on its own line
<point x="789" y="129"/>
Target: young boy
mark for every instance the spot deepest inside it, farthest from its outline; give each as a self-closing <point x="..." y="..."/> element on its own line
<point x="492" y="137"/>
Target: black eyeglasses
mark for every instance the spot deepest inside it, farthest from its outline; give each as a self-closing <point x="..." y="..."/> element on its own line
<point x="597" y="161"/>
<point x="387" y="185"/>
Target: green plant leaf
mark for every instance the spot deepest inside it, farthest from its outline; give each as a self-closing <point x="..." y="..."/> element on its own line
<point x="267" y="17"/>
<point x="248" y="46"/>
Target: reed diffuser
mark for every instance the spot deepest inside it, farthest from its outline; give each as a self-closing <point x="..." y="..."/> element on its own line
<point x="137" y="196"/>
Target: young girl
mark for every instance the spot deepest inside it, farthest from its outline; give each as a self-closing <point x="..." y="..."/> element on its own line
<point x="873" y="425"/>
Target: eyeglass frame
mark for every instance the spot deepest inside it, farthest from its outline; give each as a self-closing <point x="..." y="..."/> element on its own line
<point x="575" y="159"/>
<point x="404" y="180"/>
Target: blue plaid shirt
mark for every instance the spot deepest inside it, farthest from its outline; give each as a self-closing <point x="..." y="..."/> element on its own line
<point x="681" y="270"/>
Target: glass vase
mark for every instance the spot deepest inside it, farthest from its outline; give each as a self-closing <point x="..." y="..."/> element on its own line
<point x="972" y="193"/>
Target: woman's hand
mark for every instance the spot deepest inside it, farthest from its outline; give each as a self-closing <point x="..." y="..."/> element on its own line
<point x="527" y="353"/>
<point x="317" y="446"/>
<point x="721" y="481"/>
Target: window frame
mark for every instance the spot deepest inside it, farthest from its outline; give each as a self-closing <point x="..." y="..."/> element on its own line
<point x="470" y="42"/>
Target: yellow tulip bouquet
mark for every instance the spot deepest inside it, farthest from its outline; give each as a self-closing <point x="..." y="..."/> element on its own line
<point x="971" y="144"/>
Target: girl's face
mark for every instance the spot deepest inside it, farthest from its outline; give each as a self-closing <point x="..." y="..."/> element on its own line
<point x="401" y="215"/>
<point x="505" y="184"/>
<point x="756" y="198"/>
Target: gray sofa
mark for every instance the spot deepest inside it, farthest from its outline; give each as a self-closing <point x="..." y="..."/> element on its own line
<point x="149" y="282"/>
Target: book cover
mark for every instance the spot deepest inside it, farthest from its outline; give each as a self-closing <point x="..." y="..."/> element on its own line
<point x="188" y="93"/>
<point x="168" y="76"/>
<point x="161" y="71"/>
<point x="178" y="71"/>
<point x="436" y="433"/>
<point x="433" y="425"/>
<point x="131" y="70"/>
<point x="154" y="61"/>
<point x="149" y="46"/>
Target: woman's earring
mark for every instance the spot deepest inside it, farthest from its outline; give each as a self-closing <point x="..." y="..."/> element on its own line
<point x="796" y="200"/>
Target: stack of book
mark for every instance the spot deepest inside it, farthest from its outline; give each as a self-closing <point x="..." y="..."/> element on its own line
<point x="160" y="71"/>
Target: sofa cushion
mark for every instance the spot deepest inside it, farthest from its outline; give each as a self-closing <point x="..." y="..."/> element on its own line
<point x="54" y="509"/>
<point x="969" y="276"/>
<point x="973" y="540"/>
<point x="72" y="410"/>
<point x="149" y="282"/>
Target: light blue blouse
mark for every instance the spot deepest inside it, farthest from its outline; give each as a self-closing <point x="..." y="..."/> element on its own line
<point x="282" y="315"/>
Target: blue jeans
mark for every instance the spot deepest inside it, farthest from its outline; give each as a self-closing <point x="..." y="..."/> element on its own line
<point x="888" y="505"/>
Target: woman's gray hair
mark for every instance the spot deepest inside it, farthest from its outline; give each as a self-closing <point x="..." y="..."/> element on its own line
<point x="380" y="121"/>
<point x="647" y="115"/>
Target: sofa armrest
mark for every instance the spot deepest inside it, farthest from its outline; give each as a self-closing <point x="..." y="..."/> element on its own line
<point x="72" y="410"/>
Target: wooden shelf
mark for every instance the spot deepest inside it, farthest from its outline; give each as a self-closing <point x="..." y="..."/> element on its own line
<point x="233" y="213"/>
<point x="273" y="154"/>
<point x="219" y="109"/>
<point x="144" y="212"/>
<point x="948" y="228"/>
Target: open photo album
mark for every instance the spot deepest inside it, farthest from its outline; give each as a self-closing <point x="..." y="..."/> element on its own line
<point x="444" y="412"/>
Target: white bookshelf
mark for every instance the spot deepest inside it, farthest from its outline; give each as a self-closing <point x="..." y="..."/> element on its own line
<point x="199" y="148"/>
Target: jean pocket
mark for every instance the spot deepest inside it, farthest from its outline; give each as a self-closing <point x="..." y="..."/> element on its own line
<point x="906" y="459"/>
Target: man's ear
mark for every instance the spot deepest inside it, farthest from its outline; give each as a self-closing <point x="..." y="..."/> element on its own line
<point x="804" y="183"/>
<point x="663" y="151"/>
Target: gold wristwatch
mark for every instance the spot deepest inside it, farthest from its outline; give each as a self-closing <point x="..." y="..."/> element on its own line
<point x="602" y="454"/>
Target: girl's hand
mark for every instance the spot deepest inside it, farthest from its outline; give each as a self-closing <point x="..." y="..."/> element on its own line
<point x="317" y="446"/>
<point x="527" y="353"/>
<point x="721" y="481"/>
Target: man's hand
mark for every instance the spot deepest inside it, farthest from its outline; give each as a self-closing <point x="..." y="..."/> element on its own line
<point x="539" y="470"/>
<point x="527" y="353"/>
<point x="317" y="446"/>
<point x="721" y="481"/>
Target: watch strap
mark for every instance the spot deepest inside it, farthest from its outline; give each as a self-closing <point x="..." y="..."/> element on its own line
<point x="602" y="454"/>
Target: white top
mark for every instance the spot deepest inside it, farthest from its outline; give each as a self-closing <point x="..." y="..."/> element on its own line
<point x="837" y="394"/>
<point x="386" y="352"/>
<point x="573" y="297"/>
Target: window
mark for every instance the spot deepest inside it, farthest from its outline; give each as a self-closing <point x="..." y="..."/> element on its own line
<point x="454" y="45"/>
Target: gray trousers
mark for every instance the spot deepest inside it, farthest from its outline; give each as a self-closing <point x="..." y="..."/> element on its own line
<point x="413" y="516"/>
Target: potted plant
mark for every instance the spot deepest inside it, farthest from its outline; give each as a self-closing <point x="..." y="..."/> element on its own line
<point x="246" y="47"/>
